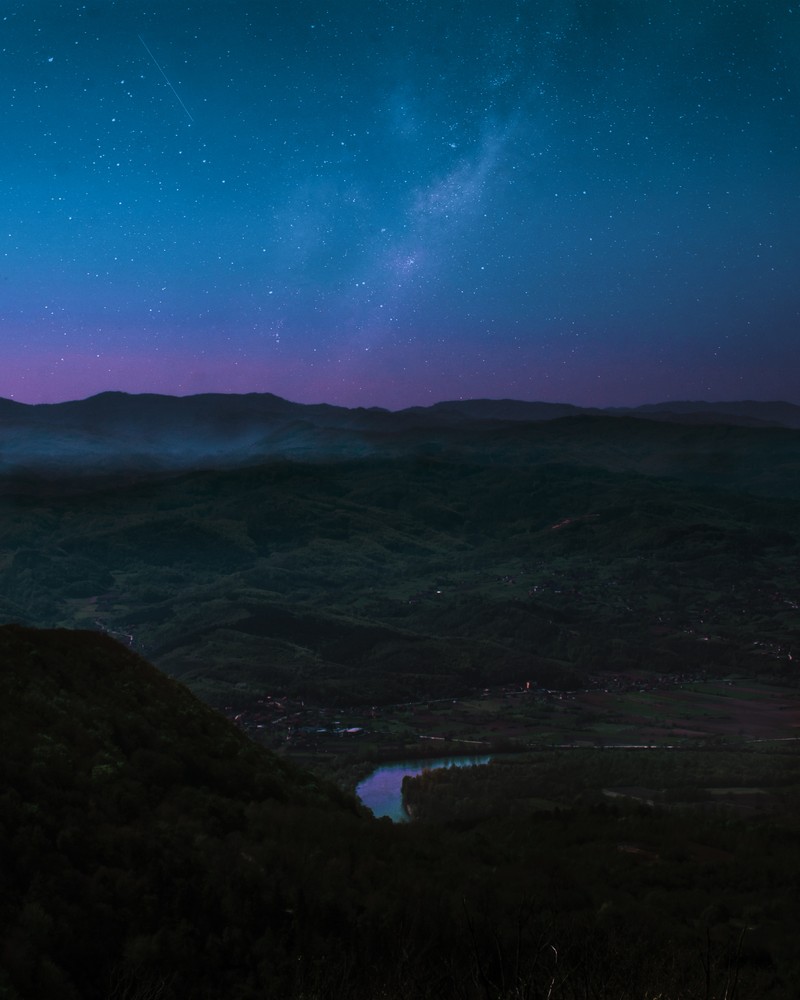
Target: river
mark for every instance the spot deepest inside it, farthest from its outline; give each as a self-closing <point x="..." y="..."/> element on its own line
<point x="382" y="790"/>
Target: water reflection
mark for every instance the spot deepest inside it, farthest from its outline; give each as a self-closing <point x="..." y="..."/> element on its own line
<point x="382" y="790"/>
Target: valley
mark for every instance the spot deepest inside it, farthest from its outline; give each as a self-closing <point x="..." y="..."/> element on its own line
<point x="469" y="582"/>
<point x="628" y="710"/>
<point x="605" y="606"/>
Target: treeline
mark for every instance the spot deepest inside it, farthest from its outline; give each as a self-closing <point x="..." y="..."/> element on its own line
<point x="551" y="779"/>
<point x="685" y="844"/>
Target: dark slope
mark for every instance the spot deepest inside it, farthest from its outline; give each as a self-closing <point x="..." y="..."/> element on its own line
<point x="149" y="849"/>
<point x="108" y="713"/>
<point x="149" y="852"/>
<point x="132" y="818"/>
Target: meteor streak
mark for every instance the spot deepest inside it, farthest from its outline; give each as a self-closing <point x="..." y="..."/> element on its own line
<point x="169" y="82"/>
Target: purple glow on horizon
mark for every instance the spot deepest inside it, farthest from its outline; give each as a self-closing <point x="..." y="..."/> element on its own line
<point x="393" y="205"/>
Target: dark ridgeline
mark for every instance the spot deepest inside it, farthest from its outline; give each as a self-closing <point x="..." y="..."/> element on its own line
<point x="115" y="431"/>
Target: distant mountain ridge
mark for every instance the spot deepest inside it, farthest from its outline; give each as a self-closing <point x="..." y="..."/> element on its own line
<point x="743" y="412"/>
<point x="115" y="430"/>
<point x="116" y="406"/>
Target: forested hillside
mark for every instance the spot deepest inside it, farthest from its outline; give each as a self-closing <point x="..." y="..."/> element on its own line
<point x="385" y="580"/>
<point x="150" y="850"/>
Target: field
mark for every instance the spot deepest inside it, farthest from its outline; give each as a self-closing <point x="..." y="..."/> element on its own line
<point x="630" y="711"/>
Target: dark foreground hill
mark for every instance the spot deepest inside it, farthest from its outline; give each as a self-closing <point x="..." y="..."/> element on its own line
<point x="150" y="851"/>
<point x="138" y="830"/>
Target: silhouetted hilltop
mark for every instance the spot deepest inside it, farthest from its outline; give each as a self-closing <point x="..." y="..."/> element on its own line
<point x="747" y="412"/>
<point x="496" y="409"/>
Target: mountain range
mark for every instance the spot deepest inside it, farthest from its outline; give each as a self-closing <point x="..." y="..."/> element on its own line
<point x="114" y="430"/>
<point x="249" y="544"/>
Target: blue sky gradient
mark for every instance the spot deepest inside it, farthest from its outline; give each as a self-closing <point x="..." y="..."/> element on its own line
<point x="393" y="203"/>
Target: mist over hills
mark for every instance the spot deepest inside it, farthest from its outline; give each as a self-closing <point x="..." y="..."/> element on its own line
<point x="371" y="557"/>
<point x="114" y="431"/>
<point x="746" y="444"/>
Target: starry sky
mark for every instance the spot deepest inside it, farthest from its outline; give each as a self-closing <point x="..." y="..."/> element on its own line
<point x="391" y="202"/>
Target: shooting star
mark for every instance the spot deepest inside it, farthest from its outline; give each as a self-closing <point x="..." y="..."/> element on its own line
<point x="169" y="82"/>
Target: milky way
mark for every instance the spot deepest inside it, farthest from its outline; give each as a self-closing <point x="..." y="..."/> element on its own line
<point x="390" y="203"/>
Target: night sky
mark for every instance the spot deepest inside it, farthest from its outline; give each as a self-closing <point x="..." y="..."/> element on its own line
<point x="386" y="202"/>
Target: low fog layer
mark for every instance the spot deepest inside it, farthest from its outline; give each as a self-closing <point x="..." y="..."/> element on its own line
<point x="115" y="431"/>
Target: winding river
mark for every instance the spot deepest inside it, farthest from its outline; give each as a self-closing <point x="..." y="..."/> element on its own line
<point x="382" y="790"/>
